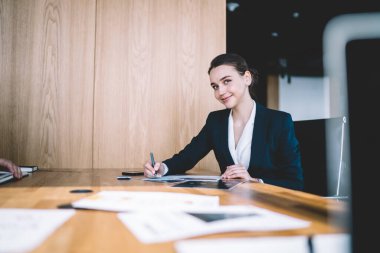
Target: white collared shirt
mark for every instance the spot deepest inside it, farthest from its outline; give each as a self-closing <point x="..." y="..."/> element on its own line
<point x="242" y="153"/>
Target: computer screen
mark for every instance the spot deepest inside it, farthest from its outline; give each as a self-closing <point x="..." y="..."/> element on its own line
<point x="324" y="157"/>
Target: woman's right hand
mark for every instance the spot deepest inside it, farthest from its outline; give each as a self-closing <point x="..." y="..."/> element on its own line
<point x="156" y="171"/>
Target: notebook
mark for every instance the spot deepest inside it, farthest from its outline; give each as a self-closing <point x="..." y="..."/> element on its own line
<point x="6" y="176"/>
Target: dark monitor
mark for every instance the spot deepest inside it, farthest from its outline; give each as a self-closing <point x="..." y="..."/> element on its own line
<point x="323" y="156"/>
<point x="352" y="65"/>
<point x="363" y="68"/>
<point x="311" y="135"/>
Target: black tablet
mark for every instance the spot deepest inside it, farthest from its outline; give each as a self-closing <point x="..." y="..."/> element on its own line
<point x="132" y="173"/>
<point x="220" y="184"/>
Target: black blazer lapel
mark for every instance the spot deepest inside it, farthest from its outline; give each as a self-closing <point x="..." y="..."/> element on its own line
<point x="258" y="135"/>
<point x="223" y="140"/>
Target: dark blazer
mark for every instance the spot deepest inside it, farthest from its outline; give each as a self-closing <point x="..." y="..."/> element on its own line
<point x="275" y="155"/>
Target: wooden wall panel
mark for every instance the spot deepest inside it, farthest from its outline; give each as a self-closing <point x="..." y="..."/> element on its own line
<point x="7" y="112"/>
<point x="47" y="77"/>
<point x="101" y="83"/>
<point x="152" y="90"/>
<point x="273" y="92"/>
<point x="195" y="97"/>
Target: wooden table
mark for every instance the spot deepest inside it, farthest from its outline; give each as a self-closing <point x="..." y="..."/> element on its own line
<point x="99" y="231"/>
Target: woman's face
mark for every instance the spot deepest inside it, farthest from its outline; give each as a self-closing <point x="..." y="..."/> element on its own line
<point x="230" y="88"/>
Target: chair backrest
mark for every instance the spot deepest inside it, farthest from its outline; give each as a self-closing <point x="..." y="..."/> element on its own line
<point x="321" y="143"/>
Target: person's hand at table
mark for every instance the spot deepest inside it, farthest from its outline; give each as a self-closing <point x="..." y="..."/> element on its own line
<point x="238" y="171"/>
<point x="11" y="167"/>
<point x="157" y="171"/>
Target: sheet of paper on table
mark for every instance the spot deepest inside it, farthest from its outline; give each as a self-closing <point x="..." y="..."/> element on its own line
<point x="283" y="244"/>
<point x="321" y="243"/>
<point x="121" y="201"/>
<point x="181" y="178"/>
<point x="173" y="225"/>
<point x="22" y="230"/>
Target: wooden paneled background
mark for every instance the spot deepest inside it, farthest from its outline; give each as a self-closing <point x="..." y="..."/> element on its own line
<point x="101" y="83"/>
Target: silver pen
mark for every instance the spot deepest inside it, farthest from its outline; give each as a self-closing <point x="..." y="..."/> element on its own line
<point x="153" y="162"/>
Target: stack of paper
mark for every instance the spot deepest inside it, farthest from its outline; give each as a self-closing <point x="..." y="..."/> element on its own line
<point x="28" y="168"/>
<point x="6" y="176"/>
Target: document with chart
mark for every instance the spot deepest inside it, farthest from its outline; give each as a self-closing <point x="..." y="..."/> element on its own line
<point x="162" y="226"/>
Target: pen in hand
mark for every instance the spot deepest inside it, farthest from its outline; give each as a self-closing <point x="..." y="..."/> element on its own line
<point x="153" y="162"/>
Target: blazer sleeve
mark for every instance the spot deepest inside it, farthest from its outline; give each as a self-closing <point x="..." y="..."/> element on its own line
<point x="192" y="153"/>
<point x="288" y="158"/>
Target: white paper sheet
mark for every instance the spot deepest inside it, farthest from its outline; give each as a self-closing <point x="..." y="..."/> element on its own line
<point x="321" y="243"/>
<point x="198" y="178"/>
<point x="280" y="244"/>
<point x="22" y="230"/>
<point x="337" y="243"/>
<point x="120" y="201"/>
<point x="161" y="226"/>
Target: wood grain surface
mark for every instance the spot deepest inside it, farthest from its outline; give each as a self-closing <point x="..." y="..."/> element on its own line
<point x="47" y="72"/>
<point x="100" y="231"/>
<point x="101" y="83"/>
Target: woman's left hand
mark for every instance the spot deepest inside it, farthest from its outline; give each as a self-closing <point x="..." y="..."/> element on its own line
<point x="239" y="171"/>
<point x="236" y="171"/>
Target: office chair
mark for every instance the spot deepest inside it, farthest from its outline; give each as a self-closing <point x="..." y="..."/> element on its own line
<point x="323" y="156"/>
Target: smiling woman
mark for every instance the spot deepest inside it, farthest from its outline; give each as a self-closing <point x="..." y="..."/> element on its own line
<point x="249" y="141"/>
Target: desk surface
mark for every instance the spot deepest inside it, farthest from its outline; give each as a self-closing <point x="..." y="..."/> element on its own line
<point x="99" y="231"/>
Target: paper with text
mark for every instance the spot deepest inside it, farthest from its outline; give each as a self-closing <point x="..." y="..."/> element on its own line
<point x="162" y="226"/>
<point x="22" y="230"/>
<point x="120" y="201"/>
<point x="179" y="178"/>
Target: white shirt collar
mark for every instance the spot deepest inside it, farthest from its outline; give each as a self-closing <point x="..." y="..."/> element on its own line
<point x="242" y="153"/>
